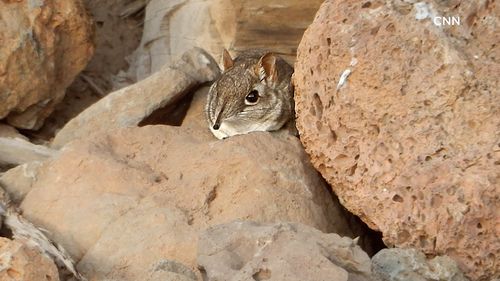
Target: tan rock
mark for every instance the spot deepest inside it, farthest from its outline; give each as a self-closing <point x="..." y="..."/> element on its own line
<point x="17" y="181"/>
<point x="195" y="118"/>
<point x="171" y="27"/>
<point x="171" y="271"/>
<point x="7" y="131"/>
<point x="16" y="151"/>
<point x="129" y="106"/>
<point x="44" y="45"/>
<point x="18" y="262"/>
<point x="126" y="200"/>
<point x="241" y="251"/>
<point x="401" y="117"/>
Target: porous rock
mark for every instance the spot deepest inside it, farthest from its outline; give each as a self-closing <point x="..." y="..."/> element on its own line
<point x="19" y="262"/>
<point x="412" y="265"/>
<point x="248" y="251"/>
<point x="123" y="201"/>
<point x="44" y="44"/>
<point x="401" y="117"/>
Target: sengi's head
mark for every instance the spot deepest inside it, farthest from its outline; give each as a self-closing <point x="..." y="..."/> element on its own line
<point x="254" y="93"/>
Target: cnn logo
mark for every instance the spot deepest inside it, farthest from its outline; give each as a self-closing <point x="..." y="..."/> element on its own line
<point x="443" y="21"/>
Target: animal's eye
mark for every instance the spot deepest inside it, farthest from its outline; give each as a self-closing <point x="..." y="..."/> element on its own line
<point x="252" y="97"/>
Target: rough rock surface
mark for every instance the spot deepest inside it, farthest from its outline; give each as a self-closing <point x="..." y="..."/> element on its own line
<point x="241" y="251"/>
<point x="129" y="106"/>
<point x="18" y="262"/>
<point x="103" y="193"/>
<point x="402" y="118"/>
<point x="43" y="46"/>
<point x="411" y="265"/>
<point x="172" y="26"/>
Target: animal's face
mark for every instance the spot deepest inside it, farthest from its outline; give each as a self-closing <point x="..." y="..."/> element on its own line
<point x="246" y="99"/>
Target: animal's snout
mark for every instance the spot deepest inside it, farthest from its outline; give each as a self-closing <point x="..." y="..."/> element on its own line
<point x="216" y="126"/>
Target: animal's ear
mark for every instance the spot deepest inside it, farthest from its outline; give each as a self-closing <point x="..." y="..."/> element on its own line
<point x="267" y="68"/>
<point x="226" y="61"/>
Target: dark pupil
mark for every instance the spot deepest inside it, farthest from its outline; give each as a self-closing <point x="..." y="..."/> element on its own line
<point x="253" y="96"/>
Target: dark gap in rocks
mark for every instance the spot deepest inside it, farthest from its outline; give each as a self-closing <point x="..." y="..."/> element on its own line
<point x="262" y="274"/>
<point x="369" y="240"/>
<point x="5" y="232"/>
<point x="5" y="167"/>
<point x="172" y="114"/>
<point x="203" y="273"/>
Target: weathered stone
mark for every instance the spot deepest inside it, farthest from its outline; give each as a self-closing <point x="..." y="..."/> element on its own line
<point x="115" y="37"/>
<point x="172" y="271"/>
<point x="411" y="265"/>
<point x="19" y="262"/>
<point x="130" y="105"/>
<point x="172" y="26"/>
<point x="7" y="131"/>
<point x="18" y="180"/>
<point x="109" y="197"/>
<point x="16" y="151"/>
<point x="245" y="251"/>
<point x="401" y="117"/>
<point x="43" y="46"/>
<point x="196" y="119"/>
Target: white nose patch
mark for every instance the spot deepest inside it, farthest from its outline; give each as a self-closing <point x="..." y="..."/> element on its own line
<point x="218" y="133"/>
<point x="227" y="129"/>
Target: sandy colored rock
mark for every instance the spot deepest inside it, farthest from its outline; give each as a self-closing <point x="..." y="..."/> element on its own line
<point x="44" y="45"/>
<point x="196" y="119"/>
<point x="156" y="187"/>
<point x="17" y="181"/>
<point x="129" y="106"/>
<point x="412" y="265"/>
<point x="7" y="131"/>
<point x="17" y="151"/>
<point x="18" y="262"/>
<point x="171" y="27"/>
<point x="245" y="251"/>
<point x="402" y="118"/>
<point x="172" y="271"/>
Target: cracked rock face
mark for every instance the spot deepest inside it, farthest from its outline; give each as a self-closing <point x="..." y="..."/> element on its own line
<point x="402" y="118"/>
<point x="43" y="46"/>
<point x="241" y="251"/>
<point x="109" y="198"/>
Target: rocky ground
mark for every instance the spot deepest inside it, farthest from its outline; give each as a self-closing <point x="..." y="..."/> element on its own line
<point x="109" y="172"/>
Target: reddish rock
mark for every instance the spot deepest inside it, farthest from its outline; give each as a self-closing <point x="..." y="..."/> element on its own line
<point x="19" y="262"/>
<point x="401" y="117"/>
<point x="43" y="45"/>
